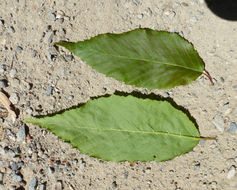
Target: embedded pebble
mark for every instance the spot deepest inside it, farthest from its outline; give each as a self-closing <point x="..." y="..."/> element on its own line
<point x="68" y="58"/>
<point x="48" y="37"/>
<point x="197" y="166"/>
<point x="49" y="90"/>
<point x="12" y="73"/>
<point x="14" y="166"/>
<point x="11" y="29"/>
<point x="1" y="177"/>
<point x="51" y="170"/>
<point x="21" y="133"/>
<point x="71" y="97"/>
<point x="42" y="187"/>
<point x="58" y="185"/>
<point x="14" y="98"/>
<point x="233" y="127"/>
<point x="2" y="187"/>
<point x="3" y="83"/>
<point x="19" y="49"/>
<point x="17" y="177"/>
<point x="33" y="184"/>
<point x="125" y="176"/>
<point x="52" y="17"/>
<point x="231" y="172"/>
<point x="218" y="121"/>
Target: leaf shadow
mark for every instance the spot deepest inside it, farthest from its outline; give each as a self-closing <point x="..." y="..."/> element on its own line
<point x="137" y="94"/>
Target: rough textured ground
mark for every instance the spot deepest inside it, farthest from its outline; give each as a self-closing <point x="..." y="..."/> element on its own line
<point x="41" y="79"/>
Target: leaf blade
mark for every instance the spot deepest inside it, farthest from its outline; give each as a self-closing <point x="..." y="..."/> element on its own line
<point x="142" y="57"/>
<point x="125" y="128"/>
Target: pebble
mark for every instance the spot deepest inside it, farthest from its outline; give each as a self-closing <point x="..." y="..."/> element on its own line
<point x="33" y="184"/>
<point x="231" y="172"/>
<point x="42" y="186"/>
<point x="52" y="17"/>
<point x="197" y="166"/>
<point x="17" y="177"/>
<point x="218" y="121"/>
<point x="12" y="73"/>
<point x="125" y="176"/>
<point x="3" y="83"/>
<point x="68" y="58"/>
<point x="48" y="37"/>
<point x="71" y="97"/>
<point x="19" y="49"/>
<point x="1" y="177"/>
<point x="14" y="166"/>
<point x="51" y="170"/>
<point x="11" y="29"/>
<point x="49" y="90"/>
<point x="1" y="22"/>
<point x="21" y="133"/>
<point x="58" y="185"/>
<point x="233" y="127"/>
<point x="2" y="187"/>
<point x="14" y="98"/>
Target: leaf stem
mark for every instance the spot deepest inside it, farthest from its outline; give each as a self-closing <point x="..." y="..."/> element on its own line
<point x="206" y="73"/>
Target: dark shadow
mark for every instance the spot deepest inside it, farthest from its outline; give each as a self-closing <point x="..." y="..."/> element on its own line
<point x="137" y="94"/>
<point x="226" y="9"/>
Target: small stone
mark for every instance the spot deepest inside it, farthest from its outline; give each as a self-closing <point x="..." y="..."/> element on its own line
<point x="14" y="98"/>
<point x="17" y="177"/>
<point x="48" y="37"/>
<point x="52" y="17"/>
<point x="235" y="86"/>
<point x="2" y="187"/>
<point x="14" y="166"/>
<point x="11" y="29"/>
<point x="19" y="49"/>
<point x="29" y="111"/>
<point x="197" y="166"/>
<point x="21" y="133"/>
<point x="42" y="186"/>
<point x="51" y="170"/>
<point x="33" y="184"/>
<point x="3" y="83"/>
<point x="231" y="172"/>
<point x="233" y="127"/>
<point x="114" y="184"/>
<point x="49" y="90"/>
<point x="58" y="185"/>
<point x="225" y="107"/>
<point x="125" y="176"/>
<point x="12" y="73"/>
<point x="75" y="161"/>
<point x="140" y="16"/>
<point x="71" y="97"/>
<point x="68" y="58"/>
<point x="34" y="53"/>
<point x="148" y="170"/>
<point x="176" y="5"/>
<point x="1" y="22"/>
<point x="218" y="121"/>
<point x="82" y="164"/>
<point x="1" y="177"/>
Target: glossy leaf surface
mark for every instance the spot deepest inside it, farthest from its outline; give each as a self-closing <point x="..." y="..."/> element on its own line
<point x="119" y="128"/>
<point x="142" y="57"/>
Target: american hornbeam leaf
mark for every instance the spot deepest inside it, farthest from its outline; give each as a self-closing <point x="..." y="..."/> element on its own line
<point x="142" y="57"/>
<point x="119" y="128"/>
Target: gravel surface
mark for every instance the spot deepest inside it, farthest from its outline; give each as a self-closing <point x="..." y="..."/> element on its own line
<point x="40" y="78"/>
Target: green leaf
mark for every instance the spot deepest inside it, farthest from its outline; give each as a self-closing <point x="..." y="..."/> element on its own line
<point x="119" y="128"/>
<point x="142" y="57"/>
